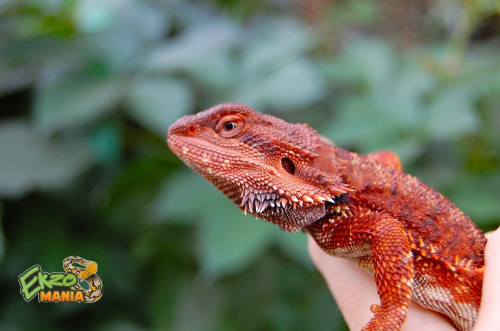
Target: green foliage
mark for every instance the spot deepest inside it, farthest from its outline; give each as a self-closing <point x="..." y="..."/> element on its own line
<point x="225" y="244"/>
<point x="88" y="89"/>
<point x="29" y="161"/>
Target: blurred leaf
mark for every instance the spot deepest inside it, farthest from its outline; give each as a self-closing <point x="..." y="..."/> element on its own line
<point x="94" y="16"/>
<point x="202" y="51"/>
<point x="362" y="125"/>
<point x="41" y="19"/>
<point x="199" y="308"/>
<point x="378" y="114"/>
<point x="229" y="241"/>
<point x="194" y="47"/>
<point x="452" y="114"/>
<point x="120" y="31"/>
<point x="374" y="58"/>
<point x="38" y="60"/>
<point x="477" y="196"/>
<point x="295" y="246"/>
<point x="106" y="142"/>
<point x="158" y="102"/>
<point x="71" y="102"/>
<point x="136" y="185"/>
<point x="29" y="161"/>
<point x="120" y="325"/>
<point x="355" y="11"/>
<point x="2" y="236"/>
<point x="294" y="85"/>
<point x="274" y="72"/>
<point x="273" y="46"/>
<point x="342" y="71"/>
<point x="401" y="97"/>
<point x="184" y="197"/>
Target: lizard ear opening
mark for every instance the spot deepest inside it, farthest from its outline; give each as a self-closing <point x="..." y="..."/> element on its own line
<point x="288" y="165"/>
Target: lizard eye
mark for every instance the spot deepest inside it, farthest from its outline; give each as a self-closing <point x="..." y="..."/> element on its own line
<point x="230" y="126"/>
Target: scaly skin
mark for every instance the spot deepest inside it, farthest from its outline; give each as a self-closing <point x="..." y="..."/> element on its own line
<point x="416" y="244"/>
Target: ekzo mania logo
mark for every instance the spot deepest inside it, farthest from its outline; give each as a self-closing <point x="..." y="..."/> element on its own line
<point x="60" y="286"/>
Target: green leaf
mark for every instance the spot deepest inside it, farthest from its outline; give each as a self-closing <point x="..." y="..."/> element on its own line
<point x="94" y="16"/>
<point x="202" y="51"/>
<point x="362" y="124"/>
<point x="477" y="196"/>
<point x="2" y="237"/>
<point x="30" y="162"/>
<point x="452" y="115"/>
<point x="274" y="71"/>
<point x="295" y="246"/>
<point x="229" y="241"/>
<point x="374" y="58"/>
<point x="275" y="46"/>
<point x="119" y="32"/>
<point x="400" y="97"/>
<point x="294" y="85"/>
<point x="199" y="306"/>
<point x="106" y="142"/>
<point x="72" y="102"/>
<point x="157" y="102"/>
<point x="185" y="197"/>
<point x="194" y="47"/>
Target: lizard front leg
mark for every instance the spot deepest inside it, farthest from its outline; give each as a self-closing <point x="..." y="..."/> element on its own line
<point x="380" y="244"/>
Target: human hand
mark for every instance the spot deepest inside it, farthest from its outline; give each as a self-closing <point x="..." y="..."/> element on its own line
<point x="354" y="291"/>
<point x="489" y="316"/>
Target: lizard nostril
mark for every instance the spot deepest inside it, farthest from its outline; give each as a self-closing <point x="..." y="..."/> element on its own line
<point x="191" y="130"/>
<point x="288" y="165"/>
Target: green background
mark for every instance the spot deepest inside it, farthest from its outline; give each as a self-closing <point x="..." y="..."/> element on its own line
<point x="88" y="89"/>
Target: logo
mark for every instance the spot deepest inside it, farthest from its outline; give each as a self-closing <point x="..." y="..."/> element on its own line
<point x="62" y="286"/>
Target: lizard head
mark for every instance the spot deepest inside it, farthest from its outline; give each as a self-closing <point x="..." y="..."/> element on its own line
<point x="268" y="167"/>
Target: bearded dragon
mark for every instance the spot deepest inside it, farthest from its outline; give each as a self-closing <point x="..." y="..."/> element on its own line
<point x="417" y="244"/>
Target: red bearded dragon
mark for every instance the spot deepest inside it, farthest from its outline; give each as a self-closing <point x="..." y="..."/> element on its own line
<point x="417" y="244"/>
